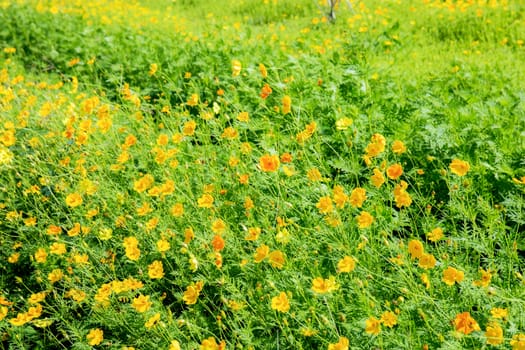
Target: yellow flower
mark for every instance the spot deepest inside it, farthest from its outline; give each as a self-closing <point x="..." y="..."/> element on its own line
<point x="156" y="270"/>
<point x="73" y="200"/>
<point x="459" y="167"/>
<point x="261" y="253"/>
<point x="518" y="342"/>
<point x="19" y="320"/>
<point x="253" y="233"/>
<point x="174" y="345"/>
<point x="269" y="163"/>
<point x="243" y="117"/>
<point x="263" y="70"/>
<point x="416" y="249"/>
<point x="325" y="205"/>
<point x="205" y="201"/>
<point x="143" y="183"/>
<point x="323" y="286"/>
<point x="435" y="235"/>
<point x="346" y="264"/>
<point x="342" y="344"/>
<point x="276" y="259"/>
<point x="95" y="336"/>
<point x="314" y="175"/>
<point x="177" y="210"/>
<point x="451" y="276"/>
<point x="193" y="100"/>
<point x="152" y="321"/>
<point x="343" y="123"/>
<point x="494" y="334"/>
<point x="281" y="302"/>
<point x="55" y="276"/>
<point x="287" y="104"/>
<point x="377" y="179"/>
<point x="499" y="312"/>
<point x="486" y="277"/>
<point x="141" y="303"/>
<point x="218" y="226"/>
<point x="357" y="197"/>
<point x="389" y="319"/>
<point x="236" y="67"/>
<point x="57" y="248"/>
<point x="192" y="293"/>
<point x="427" y="261"/>
<point x="364" y="219"/>
<point x="373" y="326"/>
<point x="398" y="147"/>
<point x="188" y="129"/>
<point x="153" y="69"/>
<point x="163" y="245"/>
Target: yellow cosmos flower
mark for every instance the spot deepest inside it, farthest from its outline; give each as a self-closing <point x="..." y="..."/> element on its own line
<point x="346" y="264"/>
<point x="373" y="326"/>
<point x="281" y="302"/>
<point x="73" y="200"/>
<point x="364" y="219"/>
<point x="452" y="275"/>
<point x="459" y="167"/>
<point x="342" y="344"/>
<point x="95" y="336"/>
<point x="141" y="303"/>
<point x="323" y="286"/>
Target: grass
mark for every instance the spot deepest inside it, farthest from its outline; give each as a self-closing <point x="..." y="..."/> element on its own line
<point x="200" y="176"/>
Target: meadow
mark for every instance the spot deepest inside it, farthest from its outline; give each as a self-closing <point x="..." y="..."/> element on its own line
<point x="250" y="174"/>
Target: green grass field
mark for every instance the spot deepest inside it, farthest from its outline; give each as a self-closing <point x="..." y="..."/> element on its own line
<point x="249" y="174"/>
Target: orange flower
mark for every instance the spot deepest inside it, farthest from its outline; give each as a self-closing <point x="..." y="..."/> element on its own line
<point x="218" y="243"/>
<point x="459" y="167"/>
<point x="394" y="171"/>
<point x="269" y="163"/>
<point x="263" y="70"/>
<point x="465" y="324"/>
<point x="266" y="91"/>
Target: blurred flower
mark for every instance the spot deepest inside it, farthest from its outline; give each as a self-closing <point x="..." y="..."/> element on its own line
<point x="281" y="302"/>
<point x="373" y="326"/>
<point x="459" y="167"/>
<point x="323" y="286"/>
<point x="435" y="235"/>
<point x="394" y="171"/>
<point x="141" y="303"/>
<point x="156" y="270"/>
<point x="269" y="163"/>
<point x="465" y="324"/>
<point x="236" y="67"/>
<point x="342" y="344"/>
<point x="192" y="293"/>
<point x="153" y="69"/>
<point x="494" y="334"/>
<point x="95" y="336"/>
<point x="364" y="219"/>
<point x="357" y="197"/>
<point x="518" y="342"/>
<point x="427" y="261"/>
<point x="389" y="319"/>
<point x="346" y="264"/>
<point x="398" y="147"/>
<point x="263" y="70"/>
<point x="377" y="179"/>
<point x="343" y="123"/>
<point x="287" y="104"/>
<point x="416" y="249"/>
<point x="73" y="200"/>
<point x="452" y="275"/>
<point x="266" y="91"/>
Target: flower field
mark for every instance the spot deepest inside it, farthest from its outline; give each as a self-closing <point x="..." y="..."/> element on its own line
<point x="252" y="175"/>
